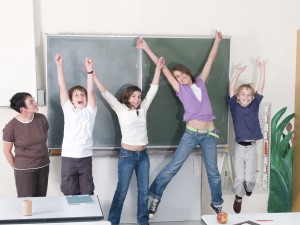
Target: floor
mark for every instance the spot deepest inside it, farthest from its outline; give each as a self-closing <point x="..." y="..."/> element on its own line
<point x="194" y="222"/>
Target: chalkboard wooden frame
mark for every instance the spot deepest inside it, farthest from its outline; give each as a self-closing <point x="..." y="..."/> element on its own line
<point x="119" y="63"/>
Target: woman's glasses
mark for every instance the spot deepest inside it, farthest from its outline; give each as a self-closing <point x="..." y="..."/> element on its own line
<point x="31" y="101"/>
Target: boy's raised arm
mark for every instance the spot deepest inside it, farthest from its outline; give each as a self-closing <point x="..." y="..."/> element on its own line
<point x="262" y="68"/>
<point x="90" y="82"/>
<point x="63" y="90"/>
<point x="234" y="78"/>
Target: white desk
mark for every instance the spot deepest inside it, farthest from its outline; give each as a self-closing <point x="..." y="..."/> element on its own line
<point x="262" y="218"/>
<point x="49" y="210"/>
<point x="71" y="223"/>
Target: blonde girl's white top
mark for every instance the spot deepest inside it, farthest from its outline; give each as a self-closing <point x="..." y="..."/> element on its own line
<point x="133" y="125"/>
<point x="78" y="131"/>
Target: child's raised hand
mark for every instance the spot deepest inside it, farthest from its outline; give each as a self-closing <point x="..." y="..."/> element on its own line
<point x="161" y="62"/>
<point x="240" y="69"/>
<point x="88" y="65"/>
<point x="141" y="43"/>
<point x="218" y="35"/>
<point x="261" y="64"/>
<point x="58" y="59"/>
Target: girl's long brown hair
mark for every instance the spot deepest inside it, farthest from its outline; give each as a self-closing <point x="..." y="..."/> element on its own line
<point x="183" y="69"/>
<point x="127" y="93"/>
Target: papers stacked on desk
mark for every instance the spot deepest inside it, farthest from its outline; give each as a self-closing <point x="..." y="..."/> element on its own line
<point x="79" y="199"/>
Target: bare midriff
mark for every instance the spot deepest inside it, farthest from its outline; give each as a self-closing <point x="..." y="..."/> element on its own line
<point x="201" y="125"/>
<point x="133" y="147"/>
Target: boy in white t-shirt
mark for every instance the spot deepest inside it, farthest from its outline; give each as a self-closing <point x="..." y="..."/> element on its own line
<point x="79" y="108"/>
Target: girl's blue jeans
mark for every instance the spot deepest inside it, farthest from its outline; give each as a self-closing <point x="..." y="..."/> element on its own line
<point x="130" y="161"/>
<point x="188" y="142"/>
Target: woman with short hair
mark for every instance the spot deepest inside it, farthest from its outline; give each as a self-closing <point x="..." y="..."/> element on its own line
<point x="28" y="133"/>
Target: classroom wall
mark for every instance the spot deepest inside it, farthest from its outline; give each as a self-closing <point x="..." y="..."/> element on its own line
<point x="265" y="29"/>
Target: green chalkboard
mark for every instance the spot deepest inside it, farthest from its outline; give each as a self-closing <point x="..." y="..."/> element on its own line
<point x="165" y="126"/>
<point x="118" y="64"/>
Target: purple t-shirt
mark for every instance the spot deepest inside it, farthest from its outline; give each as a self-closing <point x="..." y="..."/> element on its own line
<point x="193" y="108"/>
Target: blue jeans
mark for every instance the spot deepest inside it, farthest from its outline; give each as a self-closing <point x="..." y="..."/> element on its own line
<point x="130" y="161"/>
<point x="187" y="144"/>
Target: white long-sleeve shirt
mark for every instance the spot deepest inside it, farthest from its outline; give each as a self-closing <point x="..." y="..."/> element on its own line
<point x="133" y="125"/>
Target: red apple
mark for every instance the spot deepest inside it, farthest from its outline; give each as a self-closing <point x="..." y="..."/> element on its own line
<point x="222" y="217"/>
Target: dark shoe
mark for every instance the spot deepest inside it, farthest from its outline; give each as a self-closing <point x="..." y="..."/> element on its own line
<point x="217" y="209"/>
<point x="153" y="207"/>
<point x="248" y="193"/>
<point x="237" y="205"/>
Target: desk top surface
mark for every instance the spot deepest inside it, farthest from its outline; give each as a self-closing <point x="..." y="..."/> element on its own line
<point x="261" y="219"/>
<point x="71" y="223"/>
<point x="50" y="209"/>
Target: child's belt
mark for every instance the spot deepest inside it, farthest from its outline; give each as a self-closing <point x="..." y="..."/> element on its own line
<point x="246" y="143"/>
<point x="210" y="131"/>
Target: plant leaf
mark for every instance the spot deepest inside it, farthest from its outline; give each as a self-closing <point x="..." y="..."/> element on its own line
<point x="274" y="122"/>
<point x="280" y="128"/>
<point x="283" y="145"/>
<point x="278" y="198"/>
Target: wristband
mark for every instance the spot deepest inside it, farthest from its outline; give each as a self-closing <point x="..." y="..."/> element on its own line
<point x="91" y="72"/>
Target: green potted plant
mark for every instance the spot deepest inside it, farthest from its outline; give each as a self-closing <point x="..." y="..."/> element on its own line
<point x="281" y="158"/>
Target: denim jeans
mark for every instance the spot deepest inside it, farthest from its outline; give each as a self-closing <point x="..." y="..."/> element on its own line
<point x="187" y="144"/>
<point x="130" y="161"/>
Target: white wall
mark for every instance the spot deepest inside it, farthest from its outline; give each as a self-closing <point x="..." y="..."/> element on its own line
<point x="265" y="29"/>
<point x="17" y="56"/>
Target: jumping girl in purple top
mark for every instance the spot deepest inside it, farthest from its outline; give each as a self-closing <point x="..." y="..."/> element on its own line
<point x="200" y="128"/>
